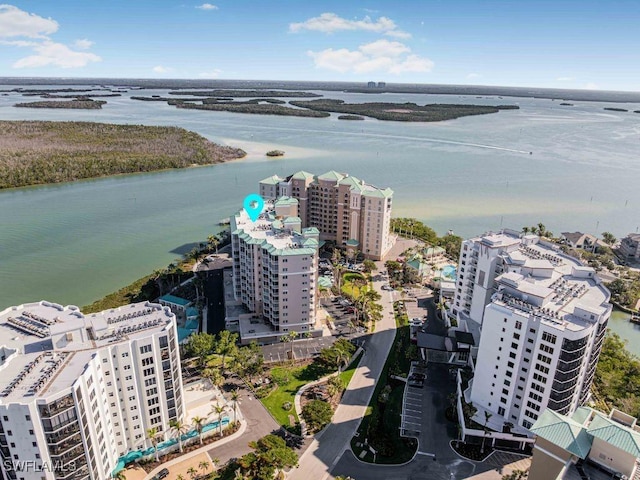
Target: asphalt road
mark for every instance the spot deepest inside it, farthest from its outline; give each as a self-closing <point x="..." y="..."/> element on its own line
<point x="259" y="424"/>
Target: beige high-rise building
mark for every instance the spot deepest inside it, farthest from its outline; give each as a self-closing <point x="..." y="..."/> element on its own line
<point x="274" y="274"/>
<point x="343" y="208"/>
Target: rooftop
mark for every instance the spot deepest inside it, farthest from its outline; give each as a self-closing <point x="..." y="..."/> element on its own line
<point x="272" y="234"/>
<point x="539" y="279"/>
<point x="30" y="361"/>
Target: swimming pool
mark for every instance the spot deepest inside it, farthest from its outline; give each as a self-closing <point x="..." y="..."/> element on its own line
<point x="448" y="272"/>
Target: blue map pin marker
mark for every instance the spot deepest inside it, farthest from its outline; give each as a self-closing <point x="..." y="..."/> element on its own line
<point x="253" y="205"/>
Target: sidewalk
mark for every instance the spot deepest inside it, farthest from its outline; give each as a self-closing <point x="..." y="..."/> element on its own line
<point x="175" y="465"/>
<point x="329" y="445"/>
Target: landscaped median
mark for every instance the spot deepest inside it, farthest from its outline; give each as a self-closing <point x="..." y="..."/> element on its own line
<point x="278" y="396"/>
<point x="379" y="430"/>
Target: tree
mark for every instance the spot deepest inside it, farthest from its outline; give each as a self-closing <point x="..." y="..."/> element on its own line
<point x="487" y="416"/>
<point x="119" y="476"/>
<point x="218" y="410"/>
<point x="608" y="238"/>
<point x="335" y="385"/>
<point x="214" y="376"/>
<point x="213" y="242"/>
<point x="235" y="400"/>
<point x="153" y="434"/>
<point x="290" y="338"/>
<point x="369" y="265"/>
<point x="526" y="230"/>
<point x="204" y="466"/>
<point x="200" y="345"/>
<point x="317" y="414"/>
<point x="271" y="454"/>
<point x="198" y="423"/>
<point x="193" y="473"/>
<point x="248" y="361"/>
<point x="180" y="477"/>
<point x="226" y="345"/>
<point x="180" y="428"/>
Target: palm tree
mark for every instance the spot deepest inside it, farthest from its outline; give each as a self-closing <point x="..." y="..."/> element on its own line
<point x="526" y="230"/>
<point x="180" y="428"/>
<point x="213" y="241"/>
<point x="218" y="410"/>
<point x="487" y="416"/>
<point x="198" y="424"/>
<point x="180" y="477"/>
<point x="214" y="376"/>
<point x="235" y="398"/>
<point x="215" y="461"/>
<point x="237" y="475"/>
<point x="153" y="434"/>
<point x="193" y="473"/>
<point x="119" y="476"/>
<point x="204" y="466"/>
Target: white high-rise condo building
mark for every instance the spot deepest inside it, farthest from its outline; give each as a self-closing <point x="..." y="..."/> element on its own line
<point x="343" y="208"/>
<point x="541" y="327"/>
<point x="77" y="391"/>
<point x="275" y="264"/>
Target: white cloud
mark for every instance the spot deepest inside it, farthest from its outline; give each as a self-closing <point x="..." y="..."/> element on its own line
<point x="18" y="23"/>
<point x="56" y="54"/>
<point x="565" y="79"/>
<point x="46" y="52"/>
<point x="471" y="76"/>
<point x="161" y="69"/>
<point x="384" y="48"/>
<point x="379" y="56"/>
<point x="330" y="23"/>
<point x="83" y="44"/>
<point x="207" y="6"/>
<point x="215" y="73"/>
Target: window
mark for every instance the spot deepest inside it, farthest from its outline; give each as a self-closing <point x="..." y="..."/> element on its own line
<point x="518" y="325"/>
<point x="542" y="368"/>
<point x="501" y="411"/>
<point x="514" y="345"/>
<point x="145" y="349"/>
<point x="516" y="336"/>
<point x="548" y="337"/>
<point x="27" y="418"/>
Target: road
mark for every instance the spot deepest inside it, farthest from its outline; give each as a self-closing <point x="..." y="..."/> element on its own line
<point x="259" y="424"/>
<point x="327" y="448"/>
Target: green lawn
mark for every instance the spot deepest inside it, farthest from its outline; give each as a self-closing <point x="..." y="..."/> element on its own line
<point x="298" y="376"/>
<point x="349" y="288"/>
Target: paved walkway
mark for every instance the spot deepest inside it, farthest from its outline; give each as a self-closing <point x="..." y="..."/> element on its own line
<point x="329" y="445"/>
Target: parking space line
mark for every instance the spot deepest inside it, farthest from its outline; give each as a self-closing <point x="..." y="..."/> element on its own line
<point x="410" y="410"/>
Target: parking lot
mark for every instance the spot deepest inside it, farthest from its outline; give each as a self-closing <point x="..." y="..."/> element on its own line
<point x="342" y="315"/>
<point x="412" y="403"/>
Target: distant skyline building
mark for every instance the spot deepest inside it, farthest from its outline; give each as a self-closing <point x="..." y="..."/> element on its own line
<point x="275" y="265"/>
<point x="343" y="208"/>
<point x="78" y="391"/>
<point x="541" y="318"/>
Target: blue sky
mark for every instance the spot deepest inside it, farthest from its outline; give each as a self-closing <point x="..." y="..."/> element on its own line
<point x="561" y="44"/>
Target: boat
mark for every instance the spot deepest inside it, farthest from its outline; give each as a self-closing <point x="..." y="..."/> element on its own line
<point x="225" y="221"/>
<point x="635" y="318"/>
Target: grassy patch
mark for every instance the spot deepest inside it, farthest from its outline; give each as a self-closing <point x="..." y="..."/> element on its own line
<point x="347" y="374"/>
<point x="285" y="392"/>
<point x="349" y="287"/>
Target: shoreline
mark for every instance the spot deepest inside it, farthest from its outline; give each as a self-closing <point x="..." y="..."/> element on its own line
<point x="72" y="151"/>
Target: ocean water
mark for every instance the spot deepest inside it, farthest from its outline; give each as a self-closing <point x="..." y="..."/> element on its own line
<point x="572" y="168"/>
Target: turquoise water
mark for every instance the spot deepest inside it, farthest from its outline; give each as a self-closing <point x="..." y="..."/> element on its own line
<point x="449" y="272"/>
<point x="74" y="243"/>
<point x="137" y="454"/>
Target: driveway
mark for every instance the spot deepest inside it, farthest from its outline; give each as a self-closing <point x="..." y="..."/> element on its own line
<point x="259" y="423"/>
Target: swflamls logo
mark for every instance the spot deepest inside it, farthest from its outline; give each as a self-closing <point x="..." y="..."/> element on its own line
<point x="38" y="466"/>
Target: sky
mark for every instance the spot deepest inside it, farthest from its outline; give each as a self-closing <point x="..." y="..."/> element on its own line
<point x="589" y="44"/>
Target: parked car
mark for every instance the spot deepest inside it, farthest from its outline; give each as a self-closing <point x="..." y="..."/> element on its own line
<point x="161" y="474"/>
